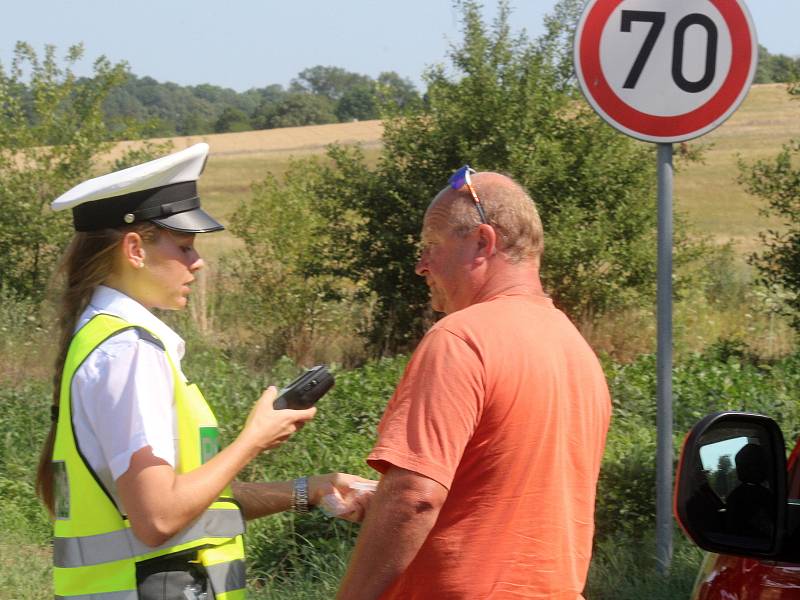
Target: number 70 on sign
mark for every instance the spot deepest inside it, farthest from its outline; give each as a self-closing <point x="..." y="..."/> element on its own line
<point x="665" y="70"/>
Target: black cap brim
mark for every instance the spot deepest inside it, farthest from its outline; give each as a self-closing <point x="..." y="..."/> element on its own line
<point x="191" y="221"/>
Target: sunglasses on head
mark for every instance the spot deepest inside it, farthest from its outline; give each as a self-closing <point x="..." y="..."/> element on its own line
<point x="461" y="178"/>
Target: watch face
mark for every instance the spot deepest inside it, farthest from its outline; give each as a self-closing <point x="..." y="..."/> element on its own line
<point x="61" y="489"/>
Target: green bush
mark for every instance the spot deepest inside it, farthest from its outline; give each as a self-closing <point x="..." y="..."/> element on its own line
<point x="283" y="302"/>
<point x="507" y="105"/>
<point x="777" y="181"/>
<point x="725" y="377"/>
<point x="305" y="556"/>
<point x="51" y="132"/>
<point x="24" y="421"/>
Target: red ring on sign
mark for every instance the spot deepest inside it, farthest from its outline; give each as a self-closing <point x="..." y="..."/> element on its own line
<point x="677" y="125"/>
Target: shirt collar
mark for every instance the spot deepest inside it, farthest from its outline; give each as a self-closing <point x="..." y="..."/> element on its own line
<point x="111" y="301"/>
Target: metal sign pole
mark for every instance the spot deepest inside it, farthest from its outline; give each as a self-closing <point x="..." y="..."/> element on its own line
<point x="664" y="362"/>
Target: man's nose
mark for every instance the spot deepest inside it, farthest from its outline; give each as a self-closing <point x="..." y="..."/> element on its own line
<point x="422" y="265"/>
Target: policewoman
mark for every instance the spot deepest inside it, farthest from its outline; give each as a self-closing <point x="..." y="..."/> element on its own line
<point x="143" y="500"/>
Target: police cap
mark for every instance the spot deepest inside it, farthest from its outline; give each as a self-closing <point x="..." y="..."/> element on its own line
<point x="163" y="191"/>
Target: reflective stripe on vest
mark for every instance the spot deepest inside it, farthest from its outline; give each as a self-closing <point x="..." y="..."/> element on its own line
<point x="126" y="595"/>
<point x="226" y="576"/>
<point x="118" y="545"/>
<point x="95" y="551"/>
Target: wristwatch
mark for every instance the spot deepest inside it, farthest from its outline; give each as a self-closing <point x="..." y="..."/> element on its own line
<point x="300" y="495"/>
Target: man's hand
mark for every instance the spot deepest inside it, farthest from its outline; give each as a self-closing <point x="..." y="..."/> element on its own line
<point x="353" y="502"/>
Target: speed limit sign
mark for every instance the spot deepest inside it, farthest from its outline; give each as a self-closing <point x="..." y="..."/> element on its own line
<point x="665" y="70"/>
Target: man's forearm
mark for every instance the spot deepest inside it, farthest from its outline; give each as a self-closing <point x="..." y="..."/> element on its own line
<point x="398" y="521"/>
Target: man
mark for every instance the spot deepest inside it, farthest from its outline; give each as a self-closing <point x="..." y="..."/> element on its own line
<point x="490" y="447"/>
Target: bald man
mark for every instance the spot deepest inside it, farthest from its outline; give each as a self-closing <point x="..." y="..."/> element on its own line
<point x="490" y="447"/>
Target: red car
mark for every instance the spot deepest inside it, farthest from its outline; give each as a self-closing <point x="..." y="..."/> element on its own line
<point x="736" y="498"/>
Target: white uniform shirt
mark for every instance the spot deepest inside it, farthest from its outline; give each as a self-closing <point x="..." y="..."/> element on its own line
<point x="122" y="394"/>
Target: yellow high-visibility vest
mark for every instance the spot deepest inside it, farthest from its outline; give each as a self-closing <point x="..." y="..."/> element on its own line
<point x="94" y="549"/>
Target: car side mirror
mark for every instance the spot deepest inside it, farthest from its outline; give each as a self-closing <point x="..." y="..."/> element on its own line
<point x="730" y="490"/>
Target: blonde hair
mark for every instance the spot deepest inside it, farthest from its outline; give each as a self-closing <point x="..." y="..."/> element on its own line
<point x="87" y="262"/>
<point x="509" y="209"/>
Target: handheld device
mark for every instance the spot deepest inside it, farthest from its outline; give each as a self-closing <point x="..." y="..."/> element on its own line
<point x="304" y="391"/>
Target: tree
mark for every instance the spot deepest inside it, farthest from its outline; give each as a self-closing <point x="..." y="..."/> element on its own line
<point x="777" y="181"/>
<point x="396" y="92"/>
<point x="511" y="106"/>
<point x="359" y="103"/>
<point x="776" y="68"/>
<point x="51" y="132"/>
<point x="291" y="306"/>
<point x="232" y="119"/>
<point x="295" y="110"/>
<point x="42" y="153"/>
<point x="330" y="82"/>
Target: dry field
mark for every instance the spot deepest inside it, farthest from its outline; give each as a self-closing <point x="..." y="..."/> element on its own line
<point x="238" y="160"/>
<point x="707" y="192"/>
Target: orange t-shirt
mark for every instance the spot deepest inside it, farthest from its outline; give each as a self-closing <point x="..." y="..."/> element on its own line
<point x="504" y="404"/>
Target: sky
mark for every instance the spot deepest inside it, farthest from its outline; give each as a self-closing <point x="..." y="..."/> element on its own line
<point x="255" y="43"/>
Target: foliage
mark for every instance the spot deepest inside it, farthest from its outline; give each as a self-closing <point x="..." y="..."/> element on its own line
<point x="51" y="133"/>
<point x="331" y="82"/>
<point x="136" y="107"/>
<point x="776" y="68"/>
<point x="295" y="110"/>
<point x="778" y="182"/>
<point x="286" y="550"/>
<point x="295" y="308"/>
<point x="174" y="109"/>
<point x="359" y="103"/>
<point x="52" y="127"/>
<point x="318" y="95"/>
<point x="725" y="377"/>
<point x="337" y="440"/>
<point x="624" y="568"/>
<point x="24" y="421"/>
<point x="232" y="119"/>
<point x="511" y="108"/>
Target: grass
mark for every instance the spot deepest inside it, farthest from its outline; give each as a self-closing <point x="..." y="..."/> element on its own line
<point x="304" y="558"/>
<point x="627" y="571"/>
<point x="25" y="569"/>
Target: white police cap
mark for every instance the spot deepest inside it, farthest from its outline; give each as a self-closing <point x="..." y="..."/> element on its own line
<point x="163" y="191"/>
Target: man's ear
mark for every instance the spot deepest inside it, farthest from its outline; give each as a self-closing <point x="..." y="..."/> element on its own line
<point x="132" y="249"/>
<point x="487" y="241"/>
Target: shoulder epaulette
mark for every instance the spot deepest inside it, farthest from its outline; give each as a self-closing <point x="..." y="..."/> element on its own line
<point x="148" y="337"/>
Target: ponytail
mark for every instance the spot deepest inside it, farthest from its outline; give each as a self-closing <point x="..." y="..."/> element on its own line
<point x="87" y="263"/>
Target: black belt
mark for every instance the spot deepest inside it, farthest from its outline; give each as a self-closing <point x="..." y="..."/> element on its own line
<point x="184" y="561"/>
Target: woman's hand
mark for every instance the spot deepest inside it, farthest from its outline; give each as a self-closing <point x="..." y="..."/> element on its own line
<point x="338" y="485"/>
<point x="267" y="428"/>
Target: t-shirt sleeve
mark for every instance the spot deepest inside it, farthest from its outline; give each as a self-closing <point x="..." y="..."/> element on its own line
<point x="126" y="392"/>
<point x="434" y="411"/>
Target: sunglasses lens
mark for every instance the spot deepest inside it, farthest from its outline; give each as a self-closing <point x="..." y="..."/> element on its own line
<point x="459" y="178"/>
